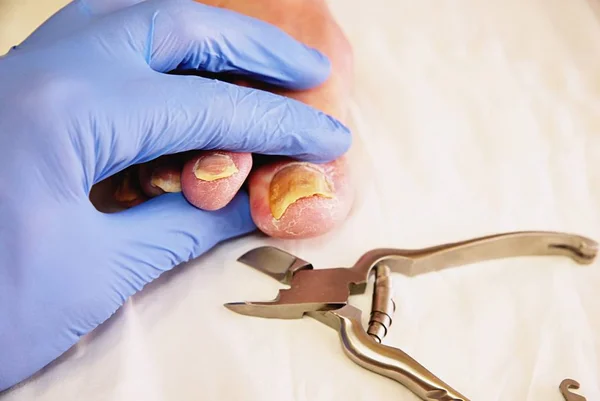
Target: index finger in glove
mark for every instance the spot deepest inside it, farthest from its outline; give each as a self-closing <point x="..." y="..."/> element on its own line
<point x="186" y="35"/>
<point x="171" y="114"/>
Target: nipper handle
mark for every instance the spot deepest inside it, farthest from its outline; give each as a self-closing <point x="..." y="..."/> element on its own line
<point x="414" y="262"/>
<point x="389" y="361"/>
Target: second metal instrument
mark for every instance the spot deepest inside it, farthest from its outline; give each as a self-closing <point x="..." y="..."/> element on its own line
<point x="565" y="389"/>
<point x="323" y="294"/>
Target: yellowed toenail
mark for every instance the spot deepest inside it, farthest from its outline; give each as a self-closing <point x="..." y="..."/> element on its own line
<point x="295" y="182"/>
<point x="168" y="183"/>
<point x="214" y="167"/>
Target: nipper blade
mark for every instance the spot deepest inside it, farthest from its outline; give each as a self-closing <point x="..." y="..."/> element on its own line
<point x="274" y="262"/>
<point x="277" y="310"/>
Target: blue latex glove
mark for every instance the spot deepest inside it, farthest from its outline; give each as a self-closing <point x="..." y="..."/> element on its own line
<point x="86" y="96"/>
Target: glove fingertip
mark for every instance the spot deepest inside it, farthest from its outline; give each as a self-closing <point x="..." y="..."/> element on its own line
<point x="314" y="72"/>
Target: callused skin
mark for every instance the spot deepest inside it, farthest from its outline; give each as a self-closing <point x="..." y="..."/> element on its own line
<point x="289" y="199"/>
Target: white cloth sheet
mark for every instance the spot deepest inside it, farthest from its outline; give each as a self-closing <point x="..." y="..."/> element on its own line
<point x="471" y="118"/>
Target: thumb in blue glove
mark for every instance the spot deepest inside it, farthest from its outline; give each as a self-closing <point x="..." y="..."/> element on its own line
<point x="80" y="106"/>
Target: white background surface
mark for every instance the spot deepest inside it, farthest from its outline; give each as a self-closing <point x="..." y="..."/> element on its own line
<point x="470" y="118"/>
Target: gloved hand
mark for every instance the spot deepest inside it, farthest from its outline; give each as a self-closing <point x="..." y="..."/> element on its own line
<point x="88" y="95"/>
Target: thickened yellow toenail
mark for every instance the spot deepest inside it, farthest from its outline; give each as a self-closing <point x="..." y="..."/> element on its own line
<point x="295" y="182"/>
<point x="167" y="182"/>
<point x="214" y="167"/>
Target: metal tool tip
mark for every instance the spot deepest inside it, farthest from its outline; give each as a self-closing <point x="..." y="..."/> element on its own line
<point x="249" y="255"/>
<point x="243" y="308"/>
<point x="234" y="306"/>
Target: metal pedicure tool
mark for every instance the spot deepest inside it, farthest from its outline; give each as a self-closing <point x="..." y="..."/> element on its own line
<point x="323" y="294"/>
<point x="565" y="389"/>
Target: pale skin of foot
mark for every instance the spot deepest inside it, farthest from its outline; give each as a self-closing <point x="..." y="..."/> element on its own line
<point x="288" y="199"/>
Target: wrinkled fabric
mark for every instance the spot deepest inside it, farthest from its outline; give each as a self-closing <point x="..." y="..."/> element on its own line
<point x="78" y="106"/>
<point x="470" y="118"/>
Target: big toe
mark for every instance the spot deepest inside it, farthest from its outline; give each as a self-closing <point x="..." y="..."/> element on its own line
<point x="299" y="200"/>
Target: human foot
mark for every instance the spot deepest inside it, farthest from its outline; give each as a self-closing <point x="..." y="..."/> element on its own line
<point x="288" y="199"/>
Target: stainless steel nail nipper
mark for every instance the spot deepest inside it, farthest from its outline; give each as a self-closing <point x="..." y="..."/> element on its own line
<point x="323" y="294"/>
